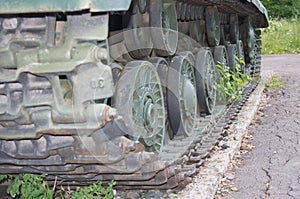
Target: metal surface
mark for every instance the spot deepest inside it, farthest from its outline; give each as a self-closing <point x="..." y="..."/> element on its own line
<point x="142" y="4"/>
<point x="258" y="50"/>
<point x="197" y="31"/>
<point x="221" y="59"/>
<point x="249" y="41"/>
<point x="181" y="95"/>
<point x="139" y="100"/>
<point x="212" y="25"/>
<point x="206" y="78"/>
<point x="164" y="26"/>
<point x="58" y="97"/>
<point x="221" y="56"/>
<point x="241" y="57"/>
<point x="33" y="6"/>
<point x="232" y="56"/>
<point x="263" y="21"/>
<point x="137" y="36"/>
<point x="55" y="86"/>
<point x="234" y="28"/>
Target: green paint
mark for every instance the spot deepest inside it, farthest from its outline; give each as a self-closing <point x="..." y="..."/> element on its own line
<point x="33" y="6"/>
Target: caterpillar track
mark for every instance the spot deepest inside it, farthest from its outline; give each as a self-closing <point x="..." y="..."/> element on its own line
<point x="93" y="91"/>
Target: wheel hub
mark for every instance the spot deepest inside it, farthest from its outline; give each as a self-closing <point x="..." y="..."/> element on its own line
<point x="143" y="111"/>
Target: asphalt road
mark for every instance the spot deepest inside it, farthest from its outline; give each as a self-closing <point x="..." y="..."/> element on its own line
<point x="272" y="169"/>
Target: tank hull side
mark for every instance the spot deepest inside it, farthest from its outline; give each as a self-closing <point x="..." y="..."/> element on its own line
<point x="29" y="6"/>
<point x="264" y="19"/>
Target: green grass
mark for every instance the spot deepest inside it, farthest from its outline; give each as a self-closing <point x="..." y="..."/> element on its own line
<point x="275" y="82"/>
<point x="281" y="37"/>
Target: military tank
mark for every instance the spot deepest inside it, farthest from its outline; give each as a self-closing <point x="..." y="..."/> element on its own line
<point x="119" y="90"/>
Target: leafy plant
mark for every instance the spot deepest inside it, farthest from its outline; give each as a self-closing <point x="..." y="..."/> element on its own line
<point x="4" y="177"/>
<point x="231" y="82"/>
<point x="275" y="82"/>
<point x="89" y="192"/>
<point x="32" y="186"/>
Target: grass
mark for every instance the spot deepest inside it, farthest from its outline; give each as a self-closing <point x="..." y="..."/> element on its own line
<point x="275" y="82"/>
<point x="281" y="37"/>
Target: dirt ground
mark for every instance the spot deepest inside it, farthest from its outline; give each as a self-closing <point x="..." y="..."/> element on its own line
<point x="272" y="168"/>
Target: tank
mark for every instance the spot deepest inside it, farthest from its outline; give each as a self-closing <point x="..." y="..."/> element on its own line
<point x="119" y="90"/>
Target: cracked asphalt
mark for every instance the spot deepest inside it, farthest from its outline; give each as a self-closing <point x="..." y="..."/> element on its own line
<point x="272" y="168"/>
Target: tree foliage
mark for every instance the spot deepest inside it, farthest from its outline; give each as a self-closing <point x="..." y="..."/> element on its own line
<point x="282" y="8"/>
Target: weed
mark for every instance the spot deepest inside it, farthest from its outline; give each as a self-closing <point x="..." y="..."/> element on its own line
<point x="33" y="186"/>
<point x="4" y="177"/>
<point x="281" y="37"/>
<point x="231" y="82"/>
<point x="95" y="190"/>
<point x="30" y="186"/>
<point x="275" y="82"/>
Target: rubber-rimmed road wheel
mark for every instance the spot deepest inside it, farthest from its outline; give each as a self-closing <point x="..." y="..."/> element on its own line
<point x="139" y="101"/>
<point x="206" y="78"/>
<point x="241" y="56"/>
<point x="234" y="28"/>
<point x="232" y="56"/>
<point x="221" y="56"/>
<point x="182" y="102"/>
<point x="137" y="37"/>
<point x="197" y="30"/>
<point x="221" y="60"/>
<point x="164" y="26"/>
<point x="249" y="40"/>
<point x="212" y="25"/>
<point x="142" y="4"/>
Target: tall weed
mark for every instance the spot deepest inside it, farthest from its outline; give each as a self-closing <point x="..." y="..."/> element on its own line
<point x="281" y="37"/>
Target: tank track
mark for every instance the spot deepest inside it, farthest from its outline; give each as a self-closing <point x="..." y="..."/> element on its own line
<point x="168" y="170"/>
<point x="65" y="157"/>
<point x="242" y="8"/>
